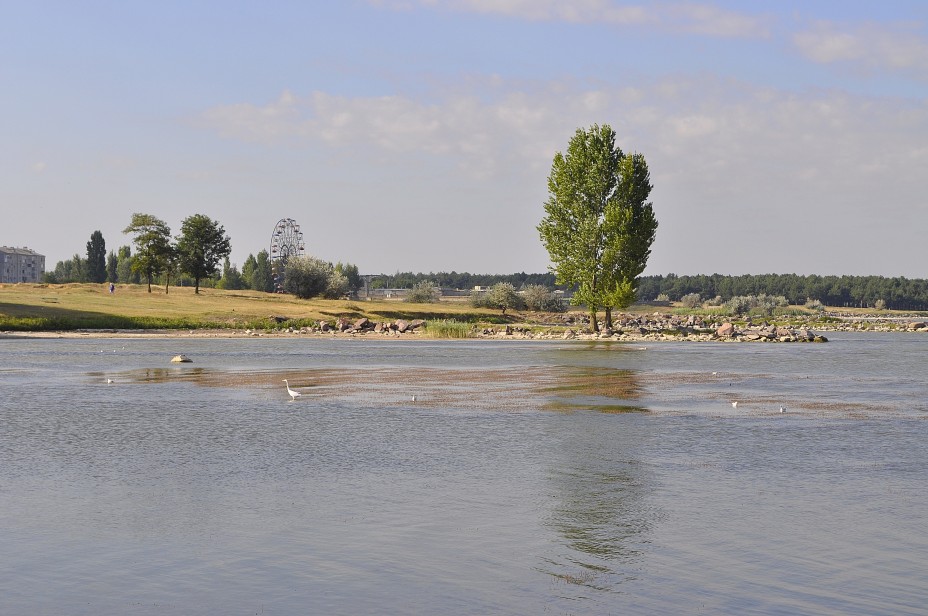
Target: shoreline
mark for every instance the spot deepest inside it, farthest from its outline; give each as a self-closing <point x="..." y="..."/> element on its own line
<point x="656" y="327"/>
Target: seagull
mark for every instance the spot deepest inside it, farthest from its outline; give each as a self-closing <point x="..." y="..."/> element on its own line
<point x="413" y="398"/>
<point x="110" y="381"/>
<point x="293" y="394"/>
<point x="782" y="409"/>
<point x="734" y="404"/>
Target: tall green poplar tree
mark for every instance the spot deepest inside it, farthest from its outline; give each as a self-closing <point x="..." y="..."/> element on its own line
<point x="96" y="258"/>
<point x="598" y="226"/>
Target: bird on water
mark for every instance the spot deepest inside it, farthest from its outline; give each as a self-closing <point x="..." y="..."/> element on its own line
<point x="293" y="394"/>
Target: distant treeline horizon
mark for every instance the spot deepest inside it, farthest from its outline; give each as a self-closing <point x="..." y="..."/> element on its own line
<point x="896" y="293"/>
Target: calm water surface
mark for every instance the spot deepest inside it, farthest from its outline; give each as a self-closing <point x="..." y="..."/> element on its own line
<point x="511" y="485"/>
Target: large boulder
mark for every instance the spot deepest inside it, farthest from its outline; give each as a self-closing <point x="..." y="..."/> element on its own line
<point x="726" y="330"/>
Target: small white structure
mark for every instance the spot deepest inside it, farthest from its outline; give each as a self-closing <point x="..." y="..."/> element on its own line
<point x="21" y="265"/>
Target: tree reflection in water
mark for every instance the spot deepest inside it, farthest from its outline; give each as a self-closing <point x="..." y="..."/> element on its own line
<point x="600" y="487"/>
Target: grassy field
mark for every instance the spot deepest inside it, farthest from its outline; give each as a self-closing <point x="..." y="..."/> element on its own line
<point x="38" y="307"/>
<point x="44" y="307"/>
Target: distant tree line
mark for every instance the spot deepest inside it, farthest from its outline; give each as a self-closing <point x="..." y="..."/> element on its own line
<point x="463" y="280"/>
<point x="840" y="291"/>
<point x="190" y="259"/>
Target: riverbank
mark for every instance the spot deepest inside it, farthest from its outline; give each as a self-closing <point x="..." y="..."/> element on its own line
<point x="91" y="311"/>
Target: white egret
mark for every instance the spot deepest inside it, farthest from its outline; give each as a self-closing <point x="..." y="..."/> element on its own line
<point x="293" y="394"/>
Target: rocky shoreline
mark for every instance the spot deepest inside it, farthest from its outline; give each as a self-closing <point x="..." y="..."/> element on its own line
<point x="626" y="328"/>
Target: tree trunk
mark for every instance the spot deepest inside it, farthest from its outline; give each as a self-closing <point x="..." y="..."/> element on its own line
<point x="196" y="286"/>
<point x="594" y="323"/>
<point x="608" y="318"/>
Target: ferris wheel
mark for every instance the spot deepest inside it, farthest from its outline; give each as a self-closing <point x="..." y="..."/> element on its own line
<point x="286" y="242"/>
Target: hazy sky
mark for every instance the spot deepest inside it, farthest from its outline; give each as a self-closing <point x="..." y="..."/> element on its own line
<point x="418" y="134"/>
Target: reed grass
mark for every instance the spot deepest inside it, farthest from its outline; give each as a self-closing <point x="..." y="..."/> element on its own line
<point x="448" y="328"/>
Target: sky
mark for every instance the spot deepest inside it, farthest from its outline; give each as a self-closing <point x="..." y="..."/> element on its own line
<point x="417" y="135"/>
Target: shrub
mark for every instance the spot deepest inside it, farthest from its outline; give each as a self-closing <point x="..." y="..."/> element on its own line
<point x="479" y="299"/>
<point x="503" y="295"/>
<point x="448" y="329"/>
<point x="662" y="297"/>
<point x="691" y="300"/>
<point x="880" y="304"/>
<point x="762" y="304"/>
<point x="425" y="292"/>
<point x="308" y="277"/>
<point x="814" y="304"/>
<point x="540" y="298"/>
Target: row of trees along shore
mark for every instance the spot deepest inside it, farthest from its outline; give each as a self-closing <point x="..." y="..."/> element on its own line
<point x="895" y="293"/>
<point x="190" y="259"/>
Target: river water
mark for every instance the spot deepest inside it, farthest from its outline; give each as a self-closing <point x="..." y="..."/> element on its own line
<point x="524" y="478"/>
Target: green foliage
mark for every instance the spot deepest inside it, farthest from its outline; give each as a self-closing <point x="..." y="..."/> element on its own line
<point x="691" y="300"/>
<point x="153" y="249"/>
<point x="231" y="278"/>
<point x="112" y="266"/>
<point x="201" y="246"/>
<point x="351" y="274"/>
<point x="448" y="329"/>
<point x="478" y="299"/>
<point x="503" y="296"/>
<point x="425" y="292"/>
<point x="308" y="277"/>
<point x="598" y="226"/>
<point x="259" y="277"/>
<point x="124" y="271"/>
<point x="98" y="321"/>
<point x="72" y="270"/>
<point x="460" y="280"/>
<point x="761" y="305"/>
<point x="842" y="291"/>
<point x="541" y="299"/>
<point x="814" y="304"/>
<point x="96" y="258"/>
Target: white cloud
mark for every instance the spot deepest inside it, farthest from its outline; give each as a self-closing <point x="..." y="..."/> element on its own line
<point x="252" y="123"/>
<point x="766" y="168"/>
<point x="870" y="47"/>
<point x="693" y="18"/>
<point x="761" y="133"/>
